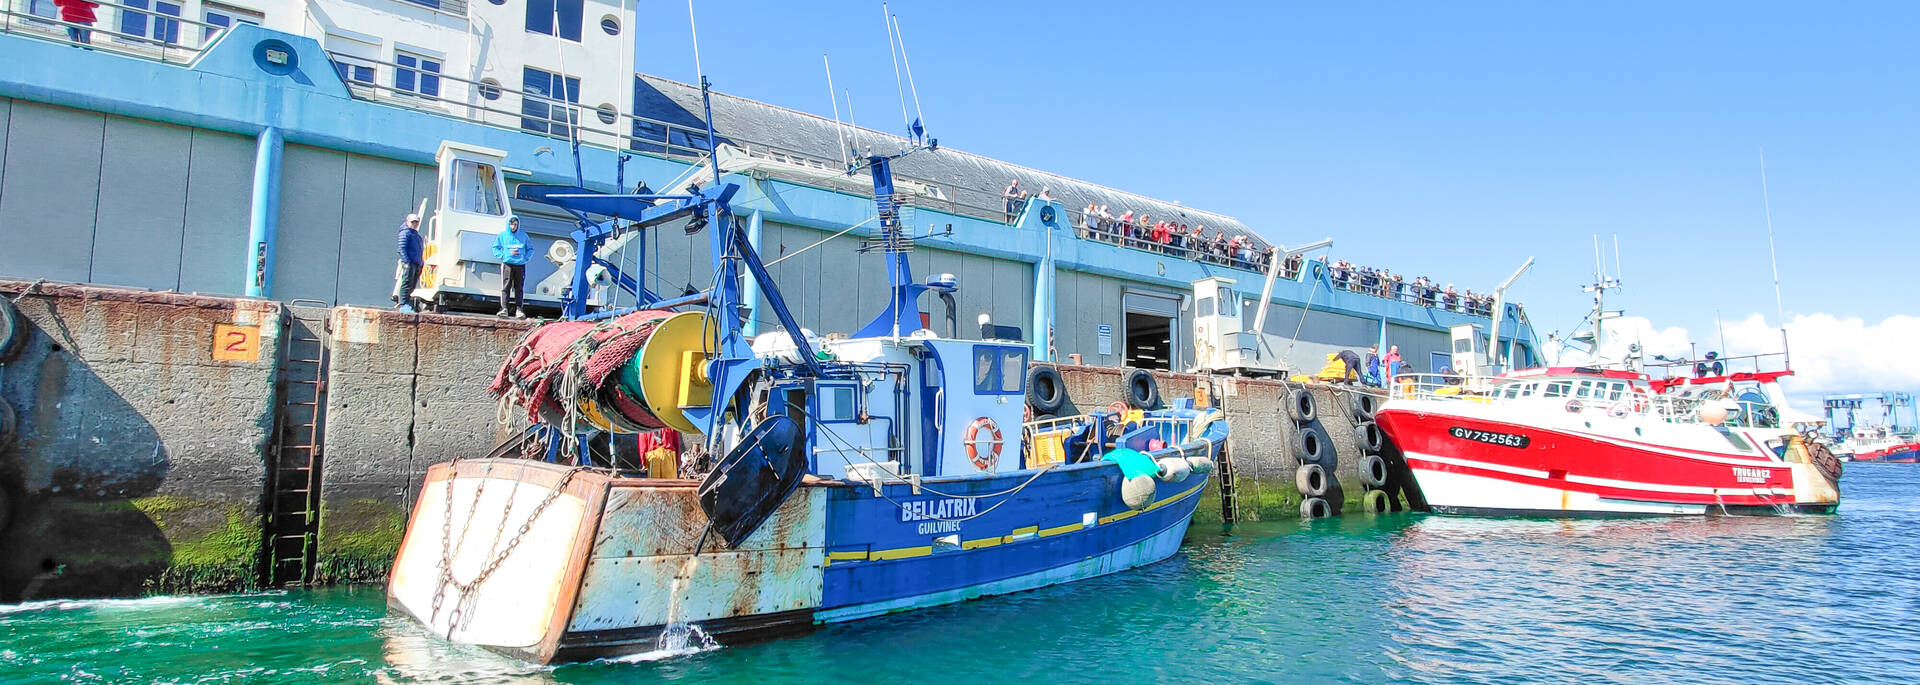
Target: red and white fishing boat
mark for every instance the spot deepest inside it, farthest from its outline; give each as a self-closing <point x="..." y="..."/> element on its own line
<point x="1609" y="441"/>
<point x="1574" y="440"/>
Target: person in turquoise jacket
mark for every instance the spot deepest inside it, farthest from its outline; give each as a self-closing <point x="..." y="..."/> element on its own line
<point x="511" y="247"/>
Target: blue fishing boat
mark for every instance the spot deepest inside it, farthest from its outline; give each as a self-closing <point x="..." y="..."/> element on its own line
<point x="826" y="478"/>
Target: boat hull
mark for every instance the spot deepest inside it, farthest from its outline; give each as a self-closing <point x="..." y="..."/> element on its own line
<point x="1898" y="454"/>
<point x="1467" y="464"/>
<point x="610" y="563"/>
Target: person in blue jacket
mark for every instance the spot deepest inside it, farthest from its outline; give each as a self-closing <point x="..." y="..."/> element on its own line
<point x="511" y="247"/>
<point x="410" y="262"/>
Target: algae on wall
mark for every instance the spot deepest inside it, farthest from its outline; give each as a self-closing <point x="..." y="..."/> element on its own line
<point x="362" y="537"/>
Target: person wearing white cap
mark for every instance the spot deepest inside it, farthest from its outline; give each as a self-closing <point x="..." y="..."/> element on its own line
<point x="410" y="263"/>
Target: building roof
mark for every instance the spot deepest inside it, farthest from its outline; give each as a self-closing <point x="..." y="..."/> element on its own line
<point x="965" y="177"/>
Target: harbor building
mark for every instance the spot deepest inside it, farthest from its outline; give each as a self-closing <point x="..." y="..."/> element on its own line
<point x="269" y="149"/>
<point x="241" y="168"/>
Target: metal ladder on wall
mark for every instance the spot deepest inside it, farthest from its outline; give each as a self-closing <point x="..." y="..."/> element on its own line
<point x="293" y="514"/>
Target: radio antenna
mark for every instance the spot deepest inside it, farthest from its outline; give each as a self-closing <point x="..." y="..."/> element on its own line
<point x="918" y="115"/>
<point x="844" y="163"/>
<point x="695" y="28"/>
<point x="893" y="53"/>
<point x="1767" y="202"/>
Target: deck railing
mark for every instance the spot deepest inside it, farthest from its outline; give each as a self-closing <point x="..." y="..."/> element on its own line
<point x="169" y="39"/>
<point x="1667" y="407"/>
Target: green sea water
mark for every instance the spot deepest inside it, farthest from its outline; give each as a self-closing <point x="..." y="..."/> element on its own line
<point x="1359" y="598"/>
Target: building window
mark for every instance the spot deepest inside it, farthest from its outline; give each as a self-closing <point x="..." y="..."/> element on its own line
<point x="426" y="3"/>
<point x="225" y="18"/>
<point x="416" y="74"/>
<point x="43" y="8"/>
<point x="353" y="73"/>
<point x="539" y="107"/>
<point x="134" y="20"/>
<point x="540" y="16"/>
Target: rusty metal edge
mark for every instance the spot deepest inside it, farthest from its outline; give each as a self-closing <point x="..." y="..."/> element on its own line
<point x="594" y="491"/>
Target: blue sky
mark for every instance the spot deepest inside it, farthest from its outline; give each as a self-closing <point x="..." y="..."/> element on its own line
<point x="1446" y="139"/>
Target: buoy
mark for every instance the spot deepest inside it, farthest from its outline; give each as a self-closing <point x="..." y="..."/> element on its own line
<point x="1373" y="471"/>
<point x="1137" y="492"/>
<point x="1200" y="465"/>
<point x="1312" y="480"/>
<point x="1300" y="405"/>
<point x="1376" y="502"/>
<point x="1315" y="508"/>
<point x="1174" y="469"/>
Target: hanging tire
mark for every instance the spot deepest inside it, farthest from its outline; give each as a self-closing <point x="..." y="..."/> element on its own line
<point x="1362" y="405"/>
<point x="1310" y="447"/>
<point x="1315" y="508"/>
<point x="1376" y="502"/>
<point x="1142" y="391"/>
<point x="1368" y="436"/>
<point x="9" y="426"/>
<point x="1373" y="471"/>
<point x="1312" y="480"/>
<point x="12" y="334"/>
<point x="1046" y="390"/>
<point x="1300" y="405"/>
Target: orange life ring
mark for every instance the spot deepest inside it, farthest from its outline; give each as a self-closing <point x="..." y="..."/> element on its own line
<point x="983" y="458"/>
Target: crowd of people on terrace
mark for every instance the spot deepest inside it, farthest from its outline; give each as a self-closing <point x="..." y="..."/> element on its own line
<point x="1421" y="291"/>
<point x="1141" y="231"/>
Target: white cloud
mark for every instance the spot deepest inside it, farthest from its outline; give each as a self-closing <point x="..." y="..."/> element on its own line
<point x="1830" y="354"/>
<point x="1837" y="355"/>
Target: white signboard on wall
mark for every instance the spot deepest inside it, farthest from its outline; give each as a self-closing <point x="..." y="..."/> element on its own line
<point x="1106" y="339"/>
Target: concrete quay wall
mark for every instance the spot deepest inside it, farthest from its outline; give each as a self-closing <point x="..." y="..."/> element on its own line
<point x="140" y="459"/>
<point x="1260" y="445"/>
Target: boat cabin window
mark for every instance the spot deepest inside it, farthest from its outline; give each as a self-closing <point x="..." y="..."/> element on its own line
<point x="999" y="370"/>
<point x="476" y="188"/>
<point x="1510" y="392"/>
<point x="1615" y="391"/>
<point x="839" y="402"/>
<point x="1585" y="391"/>
<point x="1558" y="389"/>
<point x="1229" y="302"/>
<point x="1206" y="307"/>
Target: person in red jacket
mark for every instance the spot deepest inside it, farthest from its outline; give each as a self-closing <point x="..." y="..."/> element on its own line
<point x="77" y="12"/>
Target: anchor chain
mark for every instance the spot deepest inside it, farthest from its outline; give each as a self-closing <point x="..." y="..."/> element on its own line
<point x="463" y="608"/>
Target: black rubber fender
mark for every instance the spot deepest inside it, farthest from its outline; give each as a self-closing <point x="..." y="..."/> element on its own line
<point x="1312" y="480"/>
<point x="1310" y="447"/>
<point x="13" y="334"/>
<point x="1046" y="390"/>
<point x="1368" y="436"/>
<point x="1315" y="508"/>
<point x="1143" y="392"/>
<point x="1373" y="471"/>
<point x="9" y="426"/>
<point x="1300" y="405"/>
<point x="1362" y="405"/>
<point x="1376" y="502"/>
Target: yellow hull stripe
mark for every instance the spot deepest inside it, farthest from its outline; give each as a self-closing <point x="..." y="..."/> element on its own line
<point x="1018" y="533"/>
